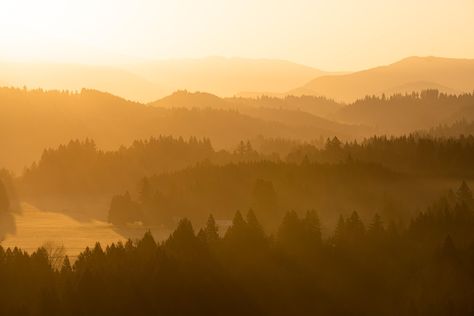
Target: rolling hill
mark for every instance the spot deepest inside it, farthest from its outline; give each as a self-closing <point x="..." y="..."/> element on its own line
<point x="32" y="120"/>
<point x="291" y="111"/>
<point x="225" y="76"/>
<point x="74" y="77"/>
<point x="410" y="74"/>
<point x="317" y="106"/>
<point x="150" y="80"/>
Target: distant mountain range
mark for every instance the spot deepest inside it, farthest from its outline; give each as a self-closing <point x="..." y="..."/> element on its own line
<point x="250" y="78"/>
<point x="149" y="81"/>
<point x="226" y="77"/>
<point x="408" y="75"/>
<point x="74" y="77"/>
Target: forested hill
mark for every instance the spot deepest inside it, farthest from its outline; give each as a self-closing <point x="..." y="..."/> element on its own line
<point x="80" y="170"/>
<point x="189" y="177"/>
<point x="362" y="267"/>
<point x="417" y="154"/>
<point x="449" y="75"/>
<point x="399" y="114"/>
<point x="34" y="120"/>
<point x="387" y="114"/>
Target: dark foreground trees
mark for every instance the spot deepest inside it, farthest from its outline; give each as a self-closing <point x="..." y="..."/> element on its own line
<point x="362" y="268"/>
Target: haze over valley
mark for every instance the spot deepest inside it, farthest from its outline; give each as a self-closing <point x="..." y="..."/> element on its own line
<point x="282" y="157"/>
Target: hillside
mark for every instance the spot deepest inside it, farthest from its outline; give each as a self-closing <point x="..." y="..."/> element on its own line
<point x="400" y="114"/>
<point x="147" y="81"/>
<point x="34" y="120"/>
<point x="226" y="76"/>
<point x="413" y="73"/>
<point x="190" y="100"/>
<point x="74" y="77"/>
<point x="291" y="111"/>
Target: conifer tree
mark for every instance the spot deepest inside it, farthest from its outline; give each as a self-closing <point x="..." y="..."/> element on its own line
<point x="211" y="230"/>
<point x="312" y="228"/>
<point x="376" y="227"/>
<point x="464" y="195"/>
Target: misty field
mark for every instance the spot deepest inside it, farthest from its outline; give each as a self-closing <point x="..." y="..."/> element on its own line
<point x="36" y="228"/>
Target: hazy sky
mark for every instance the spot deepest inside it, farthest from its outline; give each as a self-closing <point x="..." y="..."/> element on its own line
<point x="328" y="34"/>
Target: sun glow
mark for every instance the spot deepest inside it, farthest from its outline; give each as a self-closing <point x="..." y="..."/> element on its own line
<point x="86" y="30"/>
<point x="317" y="33"/>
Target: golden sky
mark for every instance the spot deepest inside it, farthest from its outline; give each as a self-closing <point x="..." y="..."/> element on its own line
<point x="327" y="34"/>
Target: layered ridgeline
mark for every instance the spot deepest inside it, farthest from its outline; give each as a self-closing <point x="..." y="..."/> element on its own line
<point x="80" y="175"/>
<point x="401" y="113"/>
<point x="272" y="188"/>
<point x="147" y="81"/>
<point x="34" y="120"/>
<point x="167" y="178"/>
<point x="448" y="75"/>
<point x="226" y="77"/>
<point x="362" y="267"/>
<point x="422" y="154"/>
<point x="396" y="114"/>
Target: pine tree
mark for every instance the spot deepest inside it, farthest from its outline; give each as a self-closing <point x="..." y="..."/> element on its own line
<point x="183" y="243"/>
<point x="211" y="231"/>
<point x="376" y="227"/>
<point x="254" y="228"/>
<point x="147" y="243"/>
<point x="355" y="226"/>
<point x="464" y="195"/>
<point x="289" y="231"/>
<point x="237" y="234"/>
<point x="312" y="228"/>
<point x="252" y="221"/>
<point x="238" y="221"/>
<point x="66" y="266"/>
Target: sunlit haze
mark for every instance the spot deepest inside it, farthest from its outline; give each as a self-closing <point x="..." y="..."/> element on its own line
<point x="330" y="35"/>
<point x="236" y="157"/>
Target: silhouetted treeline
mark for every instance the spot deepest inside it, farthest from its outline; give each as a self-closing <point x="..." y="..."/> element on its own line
<point x="413" y="154"/>
<point x="319" y="106"/>
<point x="401" y="114"/>
<point x="397" y="174"/>
<point x="282" y="146"/>
<point x="461" y="127"/>
<point x="270" y="188"/>
<point x="81" y="170"/>
<point x="368" y="267"/>
<point x="46" y="119"/>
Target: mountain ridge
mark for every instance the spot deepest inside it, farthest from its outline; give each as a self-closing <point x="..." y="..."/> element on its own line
<point x="451" y="73"/>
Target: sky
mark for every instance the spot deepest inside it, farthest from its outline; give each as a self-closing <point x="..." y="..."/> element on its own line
<point x="335" y="35"/>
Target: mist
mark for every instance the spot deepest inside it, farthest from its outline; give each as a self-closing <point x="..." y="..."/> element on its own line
<point x="238" y="158"/>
